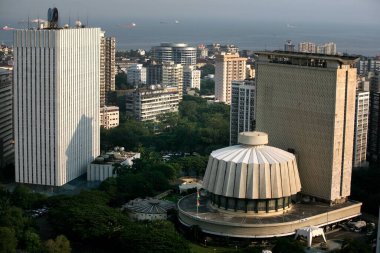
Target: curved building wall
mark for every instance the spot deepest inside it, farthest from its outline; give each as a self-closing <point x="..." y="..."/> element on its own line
<point x="248" y="172"/>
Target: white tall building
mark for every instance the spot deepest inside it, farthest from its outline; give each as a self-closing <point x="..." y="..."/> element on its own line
<point x="361" y="128"/>
<point x="172" y="75"/>
<point x="56" y="103"/>
<point x="242" y="114"/>
<point x="228" y="67"/>
<point x="136" y="74"/>
<point x="191" y="78"/>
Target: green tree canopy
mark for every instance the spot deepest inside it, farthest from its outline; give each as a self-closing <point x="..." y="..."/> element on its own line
<point x="8" y="240"/>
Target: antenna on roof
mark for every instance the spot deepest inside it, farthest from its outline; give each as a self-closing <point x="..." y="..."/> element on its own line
<point x="69" y="21"/>
<point x="28" y="23"/>
<point x="87" y="20"/>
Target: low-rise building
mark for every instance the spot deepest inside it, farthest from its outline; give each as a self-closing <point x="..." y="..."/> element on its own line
<point x="109" y="116"/>
<point x="146" y="104"/>
<point x="103" y="166"/>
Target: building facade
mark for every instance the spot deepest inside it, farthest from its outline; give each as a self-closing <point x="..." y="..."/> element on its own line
<point x="191" y="78"/>
<point x="136" y="75"/>
<point x="148" y="104"/>
<point x="373" y="146"/>
<point x="109" y="116"/>
<point x="307" y="47"/>
<point x="327" y="48"/>
<point x="153" y="73"/>
<point x="306" y="103"/>
<point x="289" y="46"/>
<point x="361" y="128"/>
<point x="6" y="118"/>
<point x="242" y="114"/>
<point x="179" y="53"/>
<point x="56" y="103"/>
<point x="172" y="75"/>
<point x="107" y="67"/>
<point x="228" y="67"/>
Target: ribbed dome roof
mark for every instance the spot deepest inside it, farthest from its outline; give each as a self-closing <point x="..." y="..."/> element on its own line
<point x="252" y="170"/>
<point x="149" y="206"/>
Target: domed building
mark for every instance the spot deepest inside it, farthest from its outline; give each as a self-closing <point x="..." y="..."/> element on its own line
<point x="252" y="177"/>
<point x="249" y="192"/>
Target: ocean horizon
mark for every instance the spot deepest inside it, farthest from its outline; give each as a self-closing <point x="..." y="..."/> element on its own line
<point x="357" y="39"/>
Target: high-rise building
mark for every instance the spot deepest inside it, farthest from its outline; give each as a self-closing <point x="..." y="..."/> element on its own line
<point x="361" y="128"/>
<point x="373" y="146"/>
<point x="228" y="67"/>
<point x="307" y="47"/>
<point x="373" y="149"/>
<point x="179" y="53"/>
<point x="327" y="48"/>
<point x="306" y="103"/>
<point x="289" y="46"/>
<point x="191" y="78"/>
<point x="153" y="73"/>
<point x="6" y="118"/>
<point x="56" y="103"/>
<point x="107" y="67"/>
<point x="172" y="75"/>
<point x="136" y="75"/>
<point x="242" y="114"/>
<point x="148" y="104"/>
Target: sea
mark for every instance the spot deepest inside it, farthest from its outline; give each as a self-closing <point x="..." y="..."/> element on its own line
<point x="357" y="39"/>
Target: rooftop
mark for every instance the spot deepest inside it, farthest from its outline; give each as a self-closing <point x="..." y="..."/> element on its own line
<point x="300" y="55"/>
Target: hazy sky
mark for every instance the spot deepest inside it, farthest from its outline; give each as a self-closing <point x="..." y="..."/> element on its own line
<point x="287" y="11"/>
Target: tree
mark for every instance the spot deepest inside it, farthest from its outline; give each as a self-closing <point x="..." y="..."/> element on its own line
<point x="8" y="240"/>
<point x="207" y="87"/>
<point x="60" y="245"/>
<point x="32" y="242"/>
<point x="207" y="69"/>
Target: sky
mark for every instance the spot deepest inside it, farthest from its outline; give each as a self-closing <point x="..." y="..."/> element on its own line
<point x="287" y="11"/>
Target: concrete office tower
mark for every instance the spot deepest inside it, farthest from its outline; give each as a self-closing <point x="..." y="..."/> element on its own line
<point x="307" y="47"/>
<point x="56" y="103"/>
<point x="191" y="78"/>
<point x="306" y="103"/>
<point x="153" y="73"/>
<point x="136" y="75"/>
<point x="289" y="46"/>
<point x="107" y="67"/>
<point x="180" y="53"/>
<point x="327" y="48"/>
<point x="361" y="128"/>
<point x="242" y="114"/>
<point x="148" y="104"/>
<point x="172" y="75"/>
<point x="228" y="67"/>
<point x="6" y="118"/>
